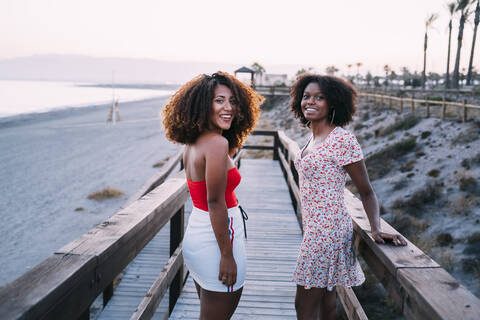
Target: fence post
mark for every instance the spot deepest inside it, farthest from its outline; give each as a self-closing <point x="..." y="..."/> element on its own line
<point x="413" y="104"/>
<point x="276" y="143"/>
<point x="107" y="294"/>
<point x="401" y="104"/>
<point x="427" y="103"/>
<point x="176" y="236"/>
<point x="444" y="108"/>
<point x="464" y="118"/>
<point x="390" y="102"/>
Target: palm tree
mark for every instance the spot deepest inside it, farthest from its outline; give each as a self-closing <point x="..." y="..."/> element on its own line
<point x="358" y="64"/>
<point x="463" y="7"/>
<point x="387" y="71"/>
<point x="258" y="68"/>
<point x="331" y="70"/>
<point x="349" y="66"/>
<point x="428" y="24"/>
<point x="451" y="9"/>
<point x="477" y="20"/>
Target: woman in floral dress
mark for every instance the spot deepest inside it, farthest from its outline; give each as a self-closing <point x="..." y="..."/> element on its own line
<point x="326" y="258"/>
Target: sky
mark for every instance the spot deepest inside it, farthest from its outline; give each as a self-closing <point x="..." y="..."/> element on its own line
<point x="308" y="33"/>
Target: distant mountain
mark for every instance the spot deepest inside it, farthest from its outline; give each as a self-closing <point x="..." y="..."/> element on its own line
<point x="54" y="67"/>
<point x="99" y="70"/>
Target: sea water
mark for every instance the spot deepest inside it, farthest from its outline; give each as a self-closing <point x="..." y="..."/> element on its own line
<point x="20" y="97"/>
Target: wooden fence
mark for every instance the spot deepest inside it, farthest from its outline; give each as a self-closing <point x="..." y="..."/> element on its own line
<point x="413" y="104"/>
<point x="400" y="102"/>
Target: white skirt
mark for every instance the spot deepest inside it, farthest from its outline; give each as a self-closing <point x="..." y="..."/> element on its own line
<point x="202" y="254"/>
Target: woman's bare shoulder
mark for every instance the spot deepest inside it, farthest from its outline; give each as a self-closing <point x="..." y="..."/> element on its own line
<point x="213" y="141"/>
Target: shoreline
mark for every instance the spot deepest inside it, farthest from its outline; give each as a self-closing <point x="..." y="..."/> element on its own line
<point x="9" y="121"/>
<point x="51" y="161"/>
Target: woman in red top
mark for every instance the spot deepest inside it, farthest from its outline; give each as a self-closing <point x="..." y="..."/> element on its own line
<point x="213" y="115"/>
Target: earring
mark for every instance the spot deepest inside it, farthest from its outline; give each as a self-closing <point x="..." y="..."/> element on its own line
<point x="333" y="116"/>
<point x="308" y="123"/>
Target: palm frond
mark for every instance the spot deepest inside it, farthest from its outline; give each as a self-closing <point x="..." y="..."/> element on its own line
<point x="430" y="19"/>
<point x="462" y="5"/>
<point x="451" y="7"/>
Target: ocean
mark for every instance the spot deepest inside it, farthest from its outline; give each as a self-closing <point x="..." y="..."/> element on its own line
<point x="52" y="157"/>
<point x="21" y="97"/>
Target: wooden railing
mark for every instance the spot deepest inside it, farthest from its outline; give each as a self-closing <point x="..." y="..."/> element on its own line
<point x="394" y="101"/>
<point x="273" y="90"/>
<point x="65" y="284"/>
<point x="418" y="285"/>
<point x="413" y="104"/>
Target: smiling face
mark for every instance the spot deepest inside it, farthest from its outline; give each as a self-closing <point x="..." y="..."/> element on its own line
<point x="314" y="105"/>
<point x="223" y="108"/>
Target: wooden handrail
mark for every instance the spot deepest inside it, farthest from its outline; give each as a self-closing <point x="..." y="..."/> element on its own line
<point x="419" y="286"/>
<point x="64" y="285"/>
<point x="450" y="103"/>
<point x="158" y="178"/>
<point x="152" y="299"/>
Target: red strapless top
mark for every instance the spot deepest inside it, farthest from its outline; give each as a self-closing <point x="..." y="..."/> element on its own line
<point x="198" y="190"/>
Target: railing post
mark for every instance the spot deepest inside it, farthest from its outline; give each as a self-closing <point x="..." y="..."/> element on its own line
<point x="464" y="118"/>
<point x="107" y="294"/>
<point x="444" y="108"/>
<point x="176" y="236"/>
<point x="276" y="143"/>
<point x="428" y="107"/>
<point x="413" y="103"/>
<point x="401" y="104"/>
<point x="390" y="102"/>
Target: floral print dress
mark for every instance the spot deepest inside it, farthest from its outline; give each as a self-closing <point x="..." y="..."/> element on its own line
<point x="326" y="257"/>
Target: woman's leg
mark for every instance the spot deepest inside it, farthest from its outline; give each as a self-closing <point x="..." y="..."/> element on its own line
<point x="218" y="305"/>
<point x="197" y="286"/>
<point x="328" y="309"/>
<point x="315" y="303"/>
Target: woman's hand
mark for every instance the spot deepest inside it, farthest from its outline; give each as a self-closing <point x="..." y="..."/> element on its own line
<point x="228" y="270"/>
<point x="382" y="237"/>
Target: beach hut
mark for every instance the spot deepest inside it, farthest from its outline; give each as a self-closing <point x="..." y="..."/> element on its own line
<point x="247" y="70"/>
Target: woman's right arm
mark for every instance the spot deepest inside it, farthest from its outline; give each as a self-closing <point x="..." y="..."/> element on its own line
<point x="216" y="168"/>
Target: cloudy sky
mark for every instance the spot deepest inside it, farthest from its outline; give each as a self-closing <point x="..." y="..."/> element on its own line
<point x="313" y="33"/>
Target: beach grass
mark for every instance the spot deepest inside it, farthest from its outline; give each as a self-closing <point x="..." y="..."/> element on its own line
<point x="106" y="193"/>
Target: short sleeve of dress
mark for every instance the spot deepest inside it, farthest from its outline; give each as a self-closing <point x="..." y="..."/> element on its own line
<point x="350" y="150"/>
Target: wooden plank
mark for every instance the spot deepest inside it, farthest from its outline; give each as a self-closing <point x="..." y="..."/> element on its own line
<point x="37" y="294"/>
<point x="391" y="257"/>
<point x="432" y="293"/>
<point x="350" y="304"/>
<point x="149" y="304"/>
<point x="158" y="178"/>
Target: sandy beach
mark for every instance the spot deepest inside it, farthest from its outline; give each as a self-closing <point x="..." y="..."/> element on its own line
<point x="50" y="162"/>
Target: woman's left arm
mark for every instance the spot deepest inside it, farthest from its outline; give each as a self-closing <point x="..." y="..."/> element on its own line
<point x="358" y="172"/>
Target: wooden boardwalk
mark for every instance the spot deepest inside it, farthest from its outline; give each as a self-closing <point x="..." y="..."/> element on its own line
<point x="273" y="240"/>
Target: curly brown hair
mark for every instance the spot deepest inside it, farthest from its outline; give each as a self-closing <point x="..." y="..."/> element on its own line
<point x="340" y="95"/>
<point x="187" y="114"/>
